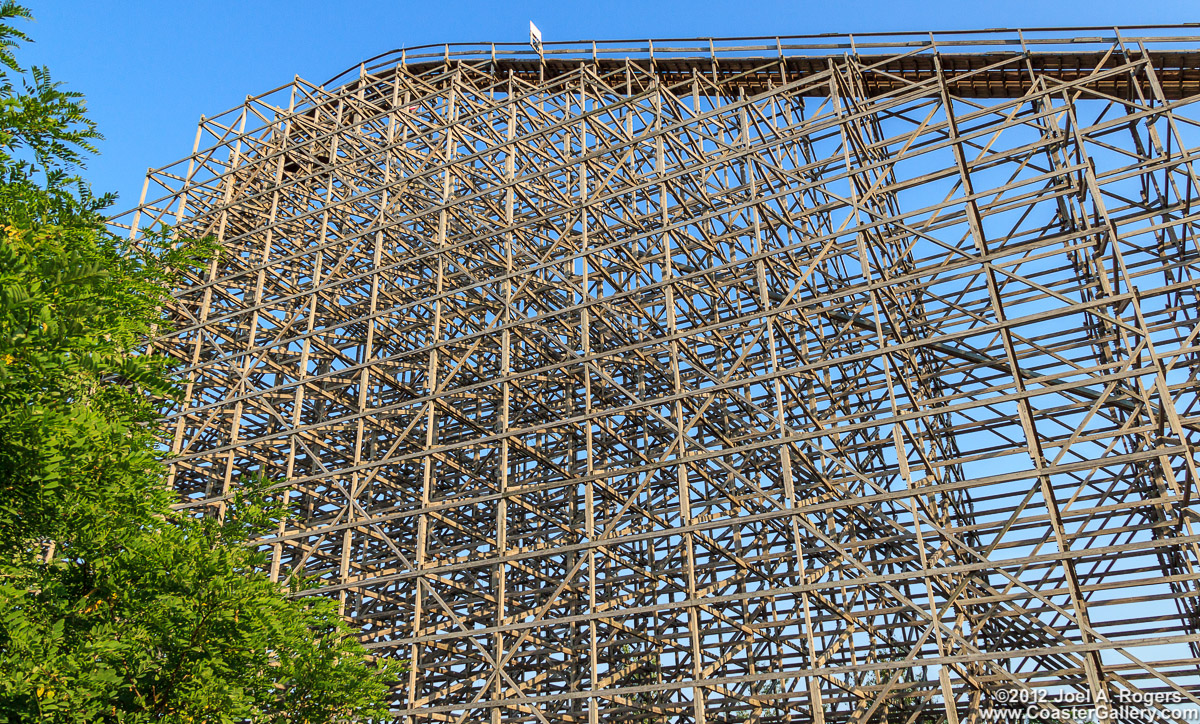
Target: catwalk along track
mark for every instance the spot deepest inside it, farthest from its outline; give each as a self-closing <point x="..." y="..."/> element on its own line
<point x="801" y="379"/>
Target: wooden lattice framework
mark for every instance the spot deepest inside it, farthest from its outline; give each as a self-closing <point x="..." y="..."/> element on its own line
<point x="802" y="379"/>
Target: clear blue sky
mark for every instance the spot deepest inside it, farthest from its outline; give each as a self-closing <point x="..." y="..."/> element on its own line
<point x="150" y="69"/>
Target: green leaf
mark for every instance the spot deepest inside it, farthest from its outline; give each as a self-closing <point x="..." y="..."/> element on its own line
<point x="113" y="607"/>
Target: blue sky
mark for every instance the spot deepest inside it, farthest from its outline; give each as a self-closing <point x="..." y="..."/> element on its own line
<point x="150" y="69"/>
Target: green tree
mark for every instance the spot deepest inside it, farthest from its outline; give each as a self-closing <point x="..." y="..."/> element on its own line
<point x="114" y="607"/>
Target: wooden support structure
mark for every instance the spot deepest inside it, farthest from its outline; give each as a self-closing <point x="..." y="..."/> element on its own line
<point x="829" y="379"/>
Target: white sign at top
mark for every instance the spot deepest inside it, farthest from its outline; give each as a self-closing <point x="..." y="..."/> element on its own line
<point x="535" y="38"/>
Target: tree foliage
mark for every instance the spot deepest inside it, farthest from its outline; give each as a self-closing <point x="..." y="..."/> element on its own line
<point x="113" y="606"/>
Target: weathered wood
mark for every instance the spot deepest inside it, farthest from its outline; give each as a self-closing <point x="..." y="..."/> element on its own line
<point x="825" y="379"/>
